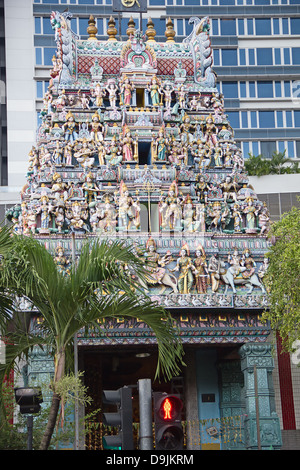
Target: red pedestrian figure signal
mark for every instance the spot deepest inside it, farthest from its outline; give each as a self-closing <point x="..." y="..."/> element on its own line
<point x="167" y="407"/>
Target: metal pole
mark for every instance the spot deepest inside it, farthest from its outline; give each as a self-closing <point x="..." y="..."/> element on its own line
<point x="29" y="431"/>
<point x="145" y="402"/>
<point x="76" y="411"/>
<point x="257" y="408"/>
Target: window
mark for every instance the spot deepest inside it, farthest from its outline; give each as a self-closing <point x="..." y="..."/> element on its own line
<point x="230" y="89"/>
<point x="215" y="27"/>
<point x="83" y="25"/>
<point x="39" y="89"/>
<point x="285" y="26"/>
<point x="233" y="117"/>
<point x="264" y="56"/>
<point x="47" y="29"/>
<point x="278" y="89"/>
<point x="216" y="53"/>
<point x="37" y="25"/>
<point x="267" y="148"/>
<point x="244" y="118"/>
<point x="253" y="119"/>
<point x="242" y="53"/>
<point x="265" y="89"/>
<point x="266" y="119"/>
<point x="279" y="118"/>
<point x="289" y="119"/>
<point x="263" y="26"/>
<point x="228" y="27"/>
<point x="277" y="56"/>
<point x="246" y="149"/>
<point x="251" y="54"/>
<point x="250" y="29"/>
<point x="296" y="55"/>
<point x="295" y="25"/>
<point x="255" y="148"/>
<point x="180" y="27"/>
<point x="287" y="88"/>
<point x="287" y="56"/>
<point x="49" y="52"/>
<point x="241" y="26"/>
<point x="38" y="56"/>
<point x="291" y="151"/>
<point x="252" y="91"/>
<point x="297" y="118"/>
<point x="229" y="57"/>
<point x="243" y="93"/>
<point x="275" y="25"/>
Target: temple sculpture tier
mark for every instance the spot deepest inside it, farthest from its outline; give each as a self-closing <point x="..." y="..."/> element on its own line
<point x="134" y="139"/>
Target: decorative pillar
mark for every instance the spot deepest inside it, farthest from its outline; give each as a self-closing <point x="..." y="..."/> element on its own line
<point x="256" y="359"/>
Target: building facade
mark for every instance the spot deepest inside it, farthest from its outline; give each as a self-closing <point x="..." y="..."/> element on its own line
<point x="178" y="158"/>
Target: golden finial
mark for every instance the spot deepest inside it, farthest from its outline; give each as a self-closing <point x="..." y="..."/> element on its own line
<point x="92" y="29"/>
<point x="131" y="27"/>
<point x="170" y="33"/>
<point x="111" y="30"/>
<point x="150" y="32"/>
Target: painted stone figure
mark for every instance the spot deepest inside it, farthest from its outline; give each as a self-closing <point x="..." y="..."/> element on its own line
<point x="186" y="268"/>
<point x="126" y="89"/>
<point x="201" y="277"/>
<point x="170" y="210"/>
<point x="154" y="89"/>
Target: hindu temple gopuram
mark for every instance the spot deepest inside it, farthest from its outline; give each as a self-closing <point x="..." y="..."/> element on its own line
<point x="135" y="144"/>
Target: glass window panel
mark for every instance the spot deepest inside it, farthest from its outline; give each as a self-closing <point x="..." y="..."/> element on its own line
<point x="289" y="119"/>
<point x="216" y="54"/>
<point x="285" y="26"/>
<point x="180" y="27"/>
<point x="261" y="2"/>
<point x="234" y="121"/>
<point x="287" y="88"/>
<point x="296" y="55"/>
<point x="250" y="26"/>
<point x="280" y="146"/>
<point x="229" y="57"/>
<point x="251" y="56"/>
<point x="297" y="118"/>
<point x="287" y="57"/>
<point x="291" y="149"/>
<point x="243" y="93"/>
<point x="230" y="89"/>
<point x="253" y="115"/>
<point x="246" y="149"/>
<point x="226" y="2"/>
<point x="100" y="26"/>
<point x="74" y="25"/>
<point x="47" y="29"/>
<point x="228" y="27"/>
<point x="277" y="56"/>
<point x="264" y="56"/>
<point x="244" y="116"/>
<point x="266" y="119"/>
<point x="39" y="89"/>
<point x="263" y="26"/>
<point x="279" y="116"/>
<point x="278" y="89"/>
<point x="242" y="53"/>
<point x="49" y="52"/>
<point x="255" y="148"/>
<point x="241" y="26"/>
<point x="38" y="56"/>
<point x="275" y="25"/>
<point x="83" y="25"/>
<point x="295" y="25"/>
<point x="265" y="89"/>
<point x="37" y="25"/>
<point x="267" y="148"/>
<point x="215" y="27"/>
<point x="252" y="91"/>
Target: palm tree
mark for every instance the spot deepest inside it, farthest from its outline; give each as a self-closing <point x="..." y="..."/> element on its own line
<point x="96" y="288"/>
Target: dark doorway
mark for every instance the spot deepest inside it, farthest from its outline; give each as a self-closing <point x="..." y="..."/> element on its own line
<point x="144" y="153"/>
<point x="140" y="100"/>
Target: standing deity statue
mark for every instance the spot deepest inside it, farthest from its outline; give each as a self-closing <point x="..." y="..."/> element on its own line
<point x="126" y="89"/>
<point x="69" y="128"/>
<point x="155" y="90"/>
<point x="96" y="133"/>
<point x="251" y="212"/>
<point x="129" y="146"/>
<point x="167" y="90"/>
<point x="129" y="210"/>
<point x="186" y="269"/>
<point x="213" y="269"/>
<point x="170" y="210"/>
<point x="112" y="90"/>
<point x="201" y="277"/>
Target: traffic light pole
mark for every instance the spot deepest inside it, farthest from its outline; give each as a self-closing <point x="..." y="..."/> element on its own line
<point x="145" y="402"/>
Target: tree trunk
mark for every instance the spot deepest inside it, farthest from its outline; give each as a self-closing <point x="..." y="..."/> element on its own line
<point x="54" y="408"/>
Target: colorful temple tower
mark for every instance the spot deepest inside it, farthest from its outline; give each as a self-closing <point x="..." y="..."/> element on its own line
<point x="135" y="144"/>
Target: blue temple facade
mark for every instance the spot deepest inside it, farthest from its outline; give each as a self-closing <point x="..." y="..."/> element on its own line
<point x="135" y="144"/>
